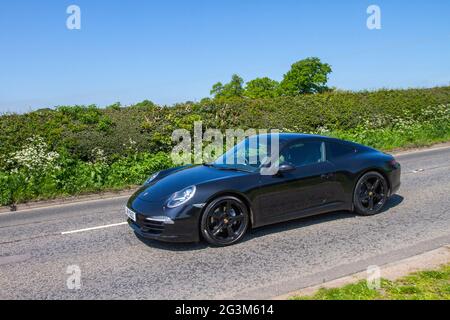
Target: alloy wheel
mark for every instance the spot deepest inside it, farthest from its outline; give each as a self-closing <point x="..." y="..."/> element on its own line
<point x="225" y="221"/>
<point x="371" y="193"/>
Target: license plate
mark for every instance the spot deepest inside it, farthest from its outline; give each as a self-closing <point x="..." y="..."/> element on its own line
<point x="131" y="214"/>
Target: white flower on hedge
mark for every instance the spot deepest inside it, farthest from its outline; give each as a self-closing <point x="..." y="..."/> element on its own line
<point x="34" y="155"/>
<point x="132" y="145"/>
<point x="98" y="155"/>
<point x="322" y="130"/>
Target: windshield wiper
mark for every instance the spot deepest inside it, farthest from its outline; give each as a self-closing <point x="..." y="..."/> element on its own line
<point x="208" y="164"/>
<point x="231" y="169"/>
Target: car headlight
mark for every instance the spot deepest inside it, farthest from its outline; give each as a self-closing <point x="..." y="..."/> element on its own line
<point x="152" y="177"/>
<point x="181" y="197"/>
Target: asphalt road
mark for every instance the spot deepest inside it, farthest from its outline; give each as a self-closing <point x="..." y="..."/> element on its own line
<point x="36" y="250"/>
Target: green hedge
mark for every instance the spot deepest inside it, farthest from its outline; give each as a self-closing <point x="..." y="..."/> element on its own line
<point x="147" y="128"/>
<point x="74" y="177"/>
<point x="114" y="147"/>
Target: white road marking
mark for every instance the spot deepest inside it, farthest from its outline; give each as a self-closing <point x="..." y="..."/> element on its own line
<point x="95" y="228"/>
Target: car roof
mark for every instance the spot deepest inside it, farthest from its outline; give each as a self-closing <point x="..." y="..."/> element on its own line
<point x="296" y="136"/>
<point x="287" y="137"/>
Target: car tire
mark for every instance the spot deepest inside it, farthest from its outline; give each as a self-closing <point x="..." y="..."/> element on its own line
<point x="370" y="194"/>
<point x="224" y="221"/>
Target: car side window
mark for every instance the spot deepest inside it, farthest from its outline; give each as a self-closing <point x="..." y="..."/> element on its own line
<point x="338" y="150"/>
<point x="303" y="153"/>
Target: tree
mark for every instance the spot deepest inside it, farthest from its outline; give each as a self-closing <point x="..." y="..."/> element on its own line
<point x="306" y="76"/>
<point x="262" y="88"/>
<point x="229" y="90"/>
<point x="145" y="104"/>
<point x="217" y="89"/>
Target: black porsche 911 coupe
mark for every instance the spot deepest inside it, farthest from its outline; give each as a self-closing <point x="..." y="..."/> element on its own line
<point x="219" y="201"/>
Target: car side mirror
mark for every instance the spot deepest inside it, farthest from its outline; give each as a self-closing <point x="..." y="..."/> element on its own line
<point x="284" y="168"/>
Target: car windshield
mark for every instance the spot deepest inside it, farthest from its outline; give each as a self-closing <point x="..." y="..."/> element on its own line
<point x="248" y="155"/>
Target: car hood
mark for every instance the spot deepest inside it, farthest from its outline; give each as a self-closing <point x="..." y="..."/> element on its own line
<point x="182" y="178"/>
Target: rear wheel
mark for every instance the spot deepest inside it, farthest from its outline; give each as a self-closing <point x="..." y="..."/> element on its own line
<point x="224" y="221"/>
<point x="371" y="194"/>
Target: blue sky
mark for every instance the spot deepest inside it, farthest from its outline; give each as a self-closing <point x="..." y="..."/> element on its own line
<point x="173" y="51"/>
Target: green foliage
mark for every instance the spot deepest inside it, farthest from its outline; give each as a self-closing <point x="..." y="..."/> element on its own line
<point x="114" y="106"/>
<point x="73" y="177"/>
<point x="217" y="89"/>
<point x="229" y="90"/>
<point x="85" y="115"/>
<point x="145" y="104"/>
<point x="423" y="285"/>
<point x="71" y="150"/>
<point x="262" y="88"/>
<point x="105" y="124"/>
<point x="306" y="76"/>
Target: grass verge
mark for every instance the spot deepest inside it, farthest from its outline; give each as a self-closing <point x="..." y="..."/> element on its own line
<point x="422" y="285"/>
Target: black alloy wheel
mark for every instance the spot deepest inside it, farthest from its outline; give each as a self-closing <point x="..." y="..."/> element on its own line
<point x="224" y="221"/>
<point x="371" y="194"/>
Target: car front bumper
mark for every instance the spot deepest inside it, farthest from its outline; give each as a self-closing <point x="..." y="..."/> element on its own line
<point x="182" y="226"/>
<point x="394" y="179"/>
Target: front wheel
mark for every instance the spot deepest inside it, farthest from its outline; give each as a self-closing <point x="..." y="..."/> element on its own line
<point x="224" y="221"/>
<point x="371" y="194"/>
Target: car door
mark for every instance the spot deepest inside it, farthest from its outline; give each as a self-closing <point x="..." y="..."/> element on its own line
<point x="342" y="156"/>
<point x="301" y="191"/>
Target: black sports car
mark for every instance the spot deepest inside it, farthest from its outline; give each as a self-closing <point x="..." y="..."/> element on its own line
<point x="218" y="201"/>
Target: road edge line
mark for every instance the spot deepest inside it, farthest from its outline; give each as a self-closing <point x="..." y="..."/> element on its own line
<point x="23" y="208"/>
